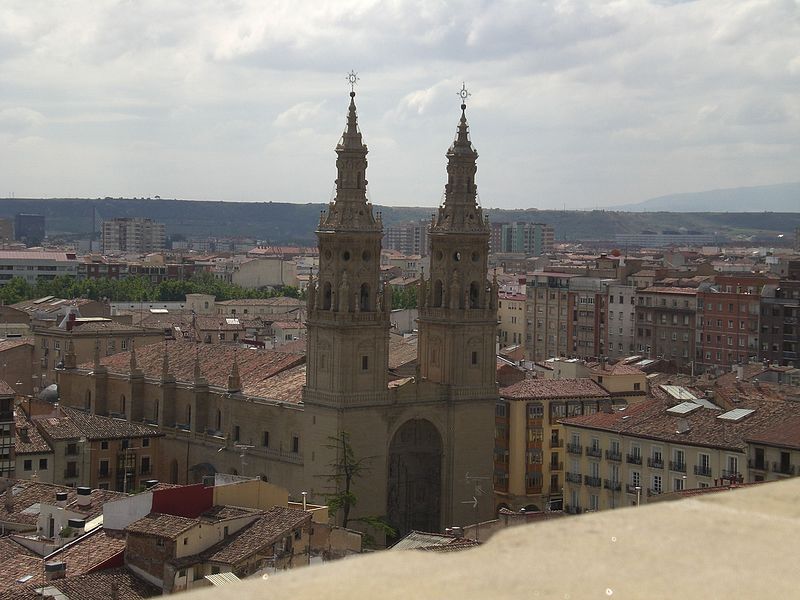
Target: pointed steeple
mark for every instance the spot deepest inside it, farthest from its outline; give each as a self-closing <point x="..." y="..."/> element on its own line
<point x="350" y="210"/>
<point x="460" y="211"/>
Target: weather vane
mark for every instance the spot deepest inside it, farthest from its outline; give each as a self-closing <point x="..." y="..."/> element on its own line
<point x="352" y="78"/>
<point x="463" y="93"/>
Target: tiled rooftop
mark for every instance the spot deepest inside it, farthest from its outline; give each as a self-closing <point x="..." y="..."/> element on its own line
<point x="89" y="551"/>
<point x="26" y="495"/>
<point x="30" y="442"/>
<point x="256" y="367"/>
<point x="553" y="389"/>
<point x="118" y="583"/>
<point x="9" y="343"/>
<point x="161" y="525"/>
<point x="73" y="424"/>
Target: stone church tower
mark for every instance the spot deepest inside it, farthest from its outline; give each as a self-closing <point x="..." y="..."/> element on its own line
<point x="420" y="437"/>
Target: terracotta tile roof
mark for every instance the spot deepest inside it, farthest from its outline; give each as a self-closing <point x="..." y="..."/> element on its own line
<point x="286" y="386"/>
<point x="5" y="389"/>
<point x="402" y="350"/>
<point x="101" y="326"/>
<point x="554" y="389"/>
<point x="512" y="296"/>
<point x="72" y="424"/>
<point x="785" y="434"/>
<point x="649" y="419"/>
<point x="9" y="343"/>
<point x="274" y="524"/>
<point x="90" y="551"/>
<point x="32" y="442"/>
<point x="669" y="290"/>
<point x="27" y="494"/>
<point x="617" y="369"/>
<point x="256" y="367"/>
<point x="161" y="525"/>
<point x="276" y="301"/>
<point x="16" y="563"/>
<point x="117" y="583"/>
<point x="289" y="324"/>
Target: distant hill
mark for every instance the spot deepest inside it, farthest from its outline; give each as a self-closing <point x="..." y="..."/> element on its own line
<point x="286" y="223"/>
<point x="783" y="197"/>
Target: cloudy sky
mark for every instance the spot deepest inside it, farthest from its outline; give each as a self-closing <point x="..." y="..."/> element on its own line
<point x="575" y="103"/>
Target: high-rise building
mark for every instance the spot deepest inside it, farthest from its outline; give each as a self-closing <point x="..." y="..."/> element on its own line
<point x="546" y="314"/>
<point x="665" y="324"/>
<point x="29" y="228"/>
<point x="410" y="238"/>
<point x="530" y="239"/>
<point x="621" y="321"/>
<point x="780" y="314"/>
<point x="133" y="235"/>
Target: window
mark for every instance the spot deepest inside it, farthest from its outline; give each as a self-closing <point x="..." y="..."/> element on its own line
<point x="104" y="445"/>
<point x="236" y="432"/>
<point x="145" y="465"/>
<point x="364" y="363"/>
<point x="636" y="478"/>
<point x="657" y="484"/>
<point x="535" y="410"/>
<point x="43" y="464"/>
<point x="678" y="484"/>
<point x="123" y="344"/>
<point x="185" y="542"/>
<point x="265" y="439"/>
<point x="594" y="502"/>
<point x="103" y="468"/>
<point x="145" y="442"/>
<point x="637" y="386"/>
<point x="295" y="444"/>
<point x="474" y="357"/>
<point x="160" y="542"/>
<point x="27" y="465"/>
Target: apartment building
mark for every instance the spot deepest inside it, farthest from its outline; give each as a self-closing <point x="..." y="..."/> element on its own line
<point x="67" y="446"/>
<point x="409" y="238"/>
<point x="667" y="444"/>
<point x="133" y="235"/>
<point x="587" y="333"/>
<point x="779" y="335"/>
<point x="727" y="320"/>
<point x="621" y="321"/>
<point x="529" y="441"/>
<point x="665" y="324"/>
<point x="546" y="311"/>
<point x="7" y="430"/>
<point x="511" y="318"/>
<point x="35" y="265"/>
<point x="529" y="239"/>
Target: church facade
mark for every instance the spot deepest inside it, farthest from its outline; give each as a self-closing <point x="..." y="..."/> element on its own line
<point x="426" y="442"/>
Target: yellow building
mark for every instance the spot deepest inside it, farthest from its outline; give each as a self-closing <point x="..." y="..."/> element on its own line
<point x="511" y="319"/>
<point x="529" y="441"/>
<point x="631" y="455"/>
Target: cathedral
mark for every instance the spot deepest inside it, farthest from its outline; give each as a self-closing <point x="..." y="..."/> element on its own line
<point x="427" y="440"/>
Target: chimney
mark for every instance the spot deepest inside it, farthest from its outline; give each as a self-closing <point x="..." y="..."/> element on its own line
<point x="84" y="496"/>
<point x="55" y="570"/>
<point x="77" y="525"/>
<point x="150" y="483"/>
<point x="61" y="499"/>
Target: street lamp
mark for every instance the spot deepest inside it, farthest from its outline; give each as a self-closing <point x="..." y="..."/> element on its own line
<point x="638" y="495"/>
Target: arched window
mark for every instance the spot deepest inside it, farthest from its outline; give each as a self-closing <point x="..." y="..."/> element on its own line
<point x="364" y="297"/>
<point x="437" y="293"/>
<point x="326" y="296"/>
<point x="474" y="295"/>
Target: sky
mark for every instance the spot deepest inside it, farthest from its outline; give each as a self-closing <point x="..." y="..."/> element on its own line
<point x="576" y="104"/>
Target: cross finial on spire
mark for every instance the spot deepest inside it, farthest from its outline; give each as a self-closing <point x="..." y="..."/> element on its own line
<point x="463" y="93"/>
<point x="352" y="79"/>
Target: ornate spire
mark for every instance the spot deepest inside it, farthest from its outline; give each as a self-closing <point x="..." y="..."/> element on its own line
<point x="350" y="209"/>
<point x="460" y="210"/>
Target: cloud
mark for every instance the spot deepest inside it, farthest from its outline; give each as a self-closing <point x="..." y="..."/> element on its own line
<point x="573" y="102"/>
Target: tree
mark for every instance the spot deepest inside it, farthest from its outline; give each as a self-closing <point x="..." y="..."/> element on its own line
<point x="346" y="469"/>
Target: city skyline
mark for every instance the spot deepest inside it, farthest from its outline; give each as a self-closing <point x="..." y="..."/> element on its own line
<point x="574" y="105"/>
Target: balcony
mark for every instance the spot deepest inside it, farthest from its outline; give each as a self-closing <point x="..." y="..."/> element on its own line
<point x="592" y="451"/>
<point x="655" y="463"/>
<point x="574" y="448"/>
<point x="731" y="475"/>
<point x="556" y="443"/>
<point x="758" y="465"/>
<point x="703" y="471"/>
<point x="783" y="469"/>
<point x="631" y="489"/>
<point x="573" y="478"/>
<point x="677" y="466"/>
<point x="556" y="466"/>
<point x="615" y="456"/>
<point x="592" y="481"/>
<point x="614" y="486"/>
<point x="653" y="492"/>
<point x="633" y="459"/>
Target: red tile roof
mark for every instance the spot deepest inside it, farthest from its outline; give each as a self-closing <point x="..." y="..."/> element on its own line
<point x="73" y="424"/>
<point x="554" y="389"/>
<point x="785" y="434"/>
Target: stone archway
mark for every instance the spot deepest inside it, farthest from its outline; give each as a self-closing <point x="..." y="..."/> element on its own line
<point x="415" y="478"/>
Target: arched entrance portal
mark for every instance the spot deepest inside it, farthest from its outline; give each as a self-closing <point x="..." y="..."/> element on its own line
<point x="415" y="478"/>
